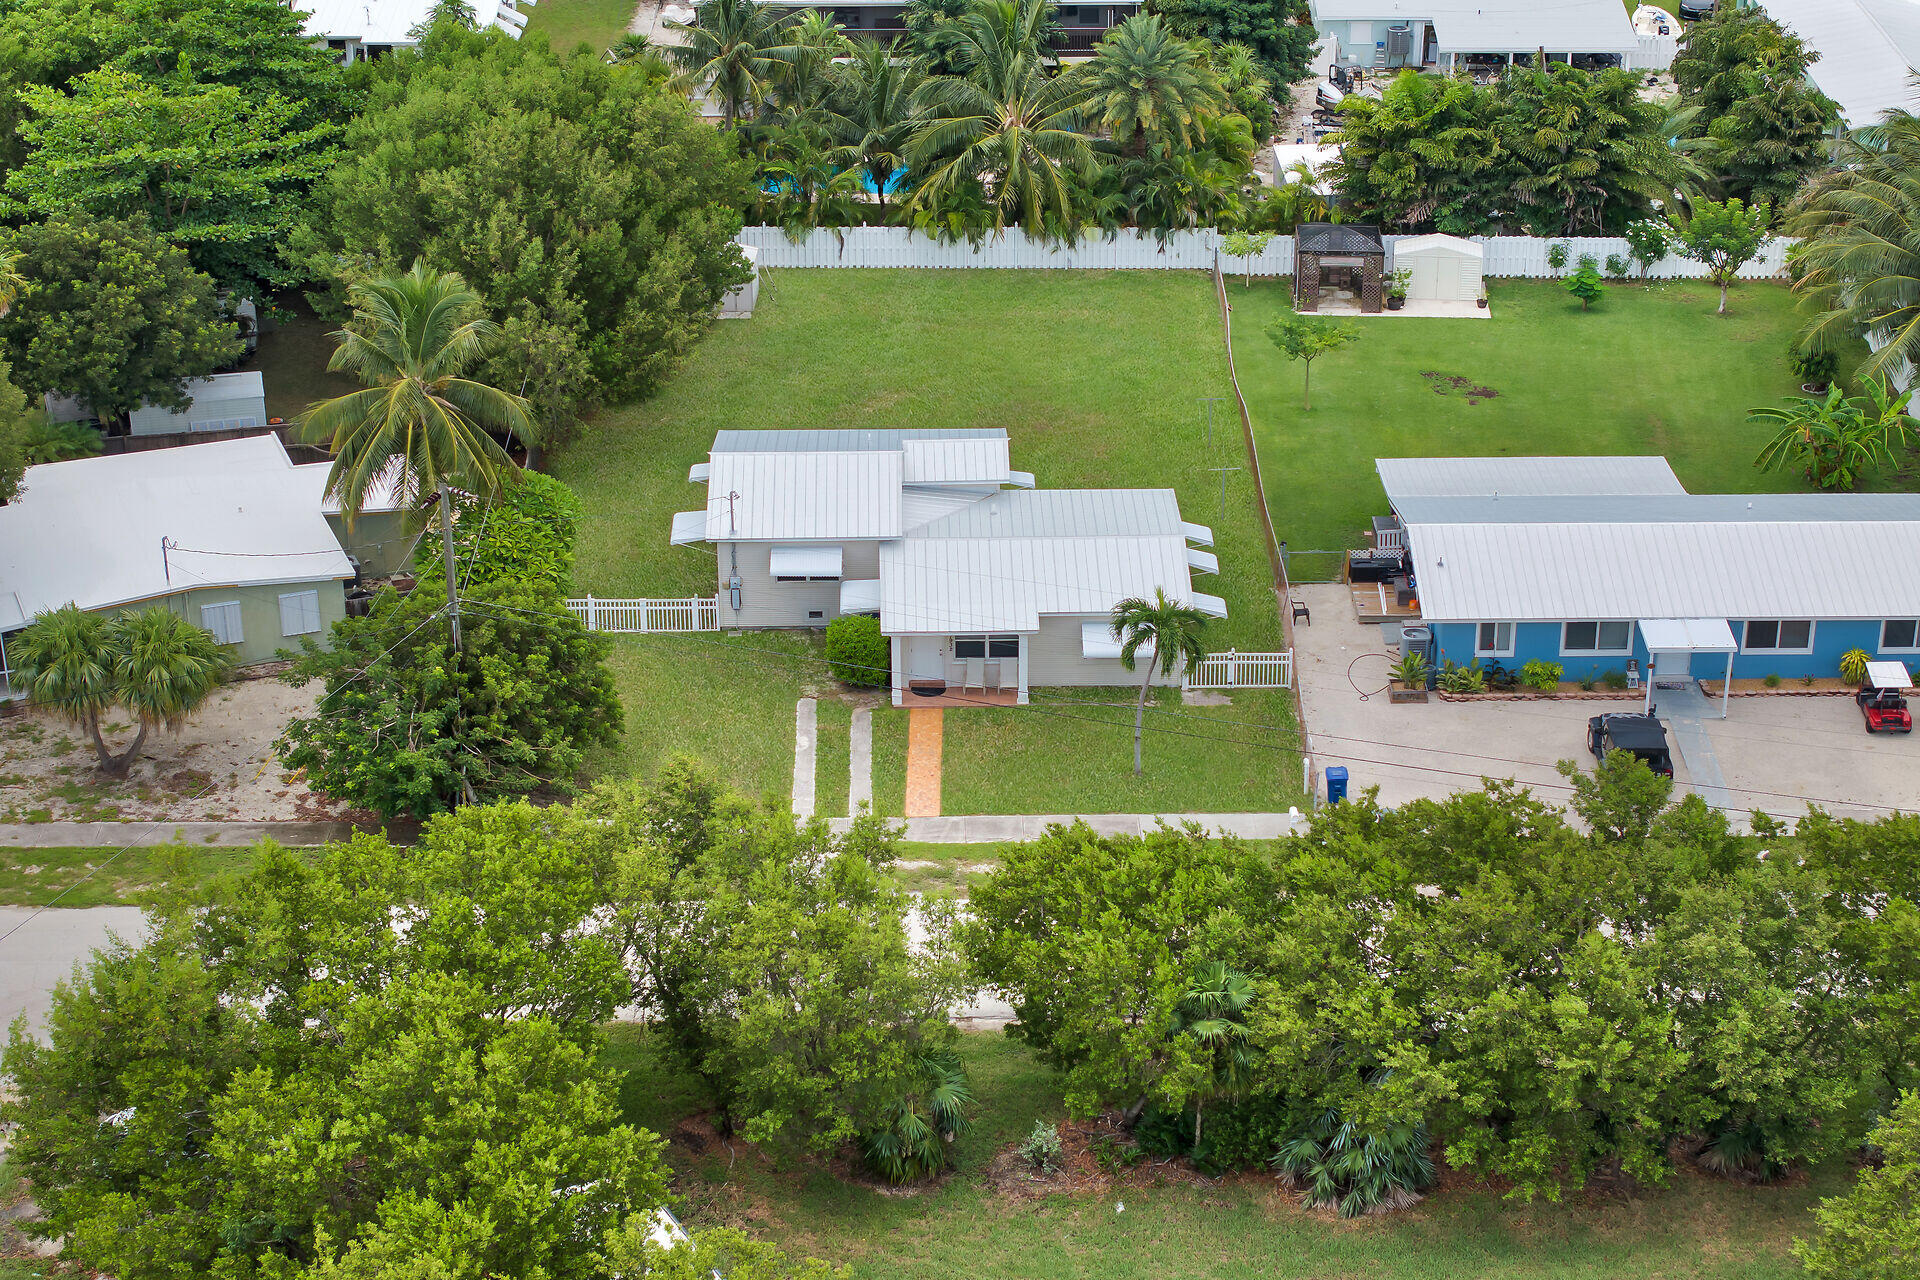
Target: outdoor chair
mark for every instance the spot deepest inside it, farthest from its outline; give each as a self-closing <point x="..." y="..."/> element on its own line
<point x="1010" y="676"/>
<point x="1300" y="611"/>
<point x="977" y="674"/>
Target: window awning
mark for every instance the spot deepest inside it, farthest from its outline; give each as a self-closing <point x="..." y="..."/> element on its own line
<point x="1212" y="606"/>
<point x="1020" y="479"/>
<point x="811" y="560"/>
<point x="1197" y="533"/>
<point x="699" y="471"/>
<point x="861" y="595"/>
<point x="689" y="526"/>
<point x="1687" y="635"/>
<point x="1096" y="641"/>
<point x="1202" y="561"/>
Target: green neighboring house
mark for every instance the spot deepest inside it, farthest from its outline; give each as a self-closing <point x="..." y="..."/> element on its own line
<point x="231" y="535"/>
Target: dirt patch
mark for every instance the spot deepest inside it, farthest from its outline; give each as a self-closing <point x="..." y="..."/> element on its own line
<point x="220" y="766"/>
<point x="1450" y="385"/>
<point x="1098" y="1158"/>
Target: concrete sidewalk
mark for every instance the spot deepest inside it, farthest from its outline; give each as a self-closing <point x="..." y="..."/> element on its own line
<point x="90" y="835"/>
<point x="43" y="952"/>
<point x="997" y="828"/>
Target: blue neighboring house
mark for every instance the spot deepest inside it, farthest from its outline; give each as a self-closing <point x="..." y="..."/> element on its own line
<point x="1599" y="562"/>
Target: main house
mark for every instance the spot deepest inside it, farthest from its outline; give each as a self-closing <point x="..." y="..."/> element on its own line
<point x="1445" y="35"/>
<point x="357" y="30"/>
<point x="980" y="580"/>
<point x="1598" y="563"/>
<point x="231" y="535"/>
<point x="1080" y="25"/>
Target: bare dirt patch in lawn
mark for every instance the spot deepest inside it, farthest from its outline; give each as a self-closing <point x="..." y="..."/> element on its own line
<point x="47" y="771"/>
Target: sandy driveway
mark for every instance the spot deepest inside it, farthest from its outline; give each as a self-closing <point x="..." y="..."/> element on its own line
<point x="47" y="766"/>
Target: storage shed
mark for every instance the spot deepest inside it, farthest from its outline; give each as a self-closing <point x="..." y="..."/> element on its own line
<point x="1444" y="268"/>
<point x="739" y="301"/>
<point x="223" y="402"/>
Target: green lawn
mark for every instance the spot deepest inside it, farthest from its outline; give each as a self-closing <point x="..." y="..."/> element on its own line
<point x="1099" y="378"/>
<point x="1244" y="1226"/>
<point x="35" y="877"/>
<point x="566" y="23"/>
<point x="832" y="764"/>
<point x="1651" y="369"/>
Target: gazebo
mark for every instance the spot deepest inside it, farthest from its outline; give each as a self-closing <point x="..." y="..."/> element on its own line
<point x="1342" y="254"/>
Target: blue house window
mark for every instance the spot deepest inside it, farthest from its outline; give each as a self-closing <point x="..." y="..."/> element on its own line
<point x="1900" y="635"/>
<point x="1596" y="637"/>
<point x="1791" y="635"/>
<point x="1493" y="640"/>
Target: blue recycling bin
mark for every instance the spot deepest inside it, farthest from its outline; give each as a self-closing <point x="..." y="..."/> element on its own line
<point x="1336" y="783"/>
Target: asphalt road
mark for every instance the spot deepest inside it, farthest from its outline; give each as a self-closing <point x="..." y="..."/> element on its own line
<point x="40" y="951"/>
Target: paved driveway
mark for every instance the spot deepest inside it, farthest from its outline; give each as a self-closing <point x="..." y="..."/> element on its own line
<point x="1772" y="753"/>
<point x="43" y="950"/>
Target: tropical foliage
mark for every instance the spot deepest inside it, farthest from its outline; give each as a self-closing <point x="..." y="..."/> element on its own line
<point x="1832" y="439"/>
<point x="1722" y="236"/>
<point x="1872" y="1232"/>
<point x="151" y="663"/>
<point x="1766" y="128"/>
<point x="1170" y="635"/>
<point x="523" y="535"/>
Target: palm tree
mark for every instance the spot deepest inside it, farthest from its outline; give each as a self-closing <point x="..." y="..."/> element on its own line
<point x="11" y="281"/>
<point x="870" y="113"/>
<point x="1170" y="633"/>
<point x="419" y="426"/>
<point x="1858" y="265"/>
<point x="1004" y="125"/>
<point x="1149" y="87"/>
<point x="803" y="70"/>
<point x="730" y="52"/>
<point x="1212" y="1014"/>
<point x="155" y="664"/>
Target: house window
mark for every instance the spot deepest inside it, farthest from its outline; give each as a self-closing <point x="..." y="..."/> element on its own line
<point x="1494" y="640"/>
<point x="1770" y="636"/>
<point x="299" y="613"/>
<point x="223" y="620"/>
<point x="986" y="646"/>
<point x="1597" y="637"/>
<point x="1901" y="635"/>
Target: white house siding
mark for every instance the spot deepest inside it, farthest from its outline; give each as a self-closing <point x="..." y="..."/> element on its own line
<point x="1053" y="658"/>
<point x="766" y="603"/>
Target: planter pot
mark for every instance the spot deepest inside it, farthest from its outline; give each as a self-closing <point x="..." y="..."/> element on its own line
<point x="1815" y="388"/>
<point x="1394" y="304"/>
<point x="1406" y="695"/>
<point x="1481" y="303"/>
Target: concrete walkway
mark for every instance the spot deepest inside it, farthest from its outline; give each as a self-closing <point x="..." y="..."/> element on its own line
<point x="1686" y="712"/>
<point x="925" y="734"/>
<point x="805" y="736"/>
<point x="860" y="760"/>
<point x="91" y="835"/>
<point x="998" y="828"/>
<point x="43" y="949"/>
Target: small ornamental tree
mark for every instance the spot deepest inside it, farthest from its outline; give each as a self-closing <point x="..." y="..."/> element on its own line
<point x="1585" y="282"/>
<point x="1723" y="237"/>
<point x="1246" y="246"/>
<point x="1306" y="341"/>
<point x="857" y="653"/>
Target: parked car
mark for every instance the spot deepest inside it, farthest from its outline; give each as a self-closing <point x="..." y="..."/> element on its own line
<point x="1694" y="10"/>
<point x="1640" y="735"/>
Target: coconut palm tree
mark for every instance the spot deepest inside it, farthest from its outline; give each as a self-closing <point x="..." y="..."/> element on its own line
<point x="11" y="281"/>
<point x="730" y="53"/>
<point x="870" y="113"/>
<point x="419" y="426"/>
<point x="154" y="664"/>
<point x="1005" y="124"/>
<point x="803" y="67"/>
<point x="1148" y="87"/>
<point x="1170" y="634"/>
<point x="1858" y="264"/>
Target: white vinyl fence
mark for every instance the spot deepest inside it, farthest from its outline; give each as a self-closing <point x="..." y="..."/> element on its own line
<point x="644" y="617"/>
<point x="1513" y="257"/>
<point x="1655" y="53"/>
<point x="1233" y="670"/>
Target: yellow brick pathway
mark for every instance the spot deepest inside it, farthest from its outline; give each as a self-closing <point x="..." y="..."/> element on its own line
<point x="924" y="734"/>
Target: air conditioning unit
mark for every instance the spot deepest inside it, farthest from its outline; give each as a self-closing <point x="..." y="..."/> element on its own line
<point x="1399" y="43"/>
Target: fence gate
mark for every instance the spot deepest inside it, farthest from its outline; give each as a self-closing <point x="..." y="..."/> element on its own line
<point x="646" y="617"/>
<point x="1234" y="670"/>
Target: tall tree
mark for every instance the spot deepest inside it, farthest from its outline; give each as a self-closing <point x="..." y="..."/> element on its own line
<point x="1148" y="87"/>
<point x="1872" y="1232"/>
<point x="730" y="53"/>
<point x="153" y="664"/>
<point x="1169" y="633"/>
<point x="1005" y="126"/>
<point x="1766" y="126"/>
<point x="112" y="316"/>
<point x="1722" y="236"/>
<point x="1859" y="253"/>
<point x="213" y="170"/>
<point x="871" y="112"/>
<point x="594" y="213"/>
<point x="1421" y="155"/>
<point x="1272" y="29"/>
<point x="421" y="426"/>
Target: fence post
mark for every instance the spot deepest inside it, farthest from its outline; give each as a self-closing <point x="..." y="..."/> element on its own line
<point x="593" y="615"/>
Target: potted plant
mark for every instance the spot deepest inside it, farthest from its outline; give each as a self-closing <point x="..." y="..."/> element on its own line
<point x="1409" y="679"/>
<point x="1815" y="370"/>
<point x="1397" y="283"/>
<point x="1481" y="301"/>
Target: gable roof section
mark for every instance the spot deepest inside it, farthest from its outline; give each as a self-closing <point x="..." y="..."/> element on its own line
<point x="801" y="496"/>
<point x="1070" y="513"/>
<point x="1405" y="478"/>
<point x="1868" y="50"/>
<point x="89" y="531"/>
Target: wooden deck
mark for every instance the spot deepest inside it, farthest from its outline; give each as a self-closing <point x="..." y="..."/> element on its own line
<point x="1374" y="602"/>
<point x="956" y="698"/>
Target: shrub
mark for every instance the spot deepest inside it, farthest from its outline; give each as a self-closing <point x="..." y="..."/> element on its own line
<point x="1354" y="1171"/>
<point x="1544" y="676"/>
<point x="1853" y="666"/>
<point x="48" y="441"/>
<point x="1812" y="368"/>
<point x="919" y="1126"/>
<point x="1041" y="1148"/>
<point x="1588" y="681"/>
<point x="1616" y="267"/>
<point x="1458" y="679"/>
<point x="1614" y="679"/>
<point x="857" y="653"/>
<point x="1649" y="241"/>
<point x="1557" y="254"/>
<point x="1772" y="680"/>
<point x="526" y="536"/>
<point x="1411" y="670"/>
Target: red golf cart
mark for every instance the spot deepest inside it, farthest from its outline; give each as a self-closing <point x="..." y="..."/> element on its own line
<point x="1882" y="698"/>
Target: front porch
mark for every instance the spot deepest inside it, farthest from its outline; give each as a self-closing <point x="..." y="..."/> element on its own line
<point x="954" y="698"/>
<point x="960" y="670"/>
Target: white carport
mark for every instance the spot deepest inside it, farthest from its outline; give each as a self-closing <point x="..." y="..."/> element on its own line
<point x="1444" y="268"/>
<point x="1672" y="642"/>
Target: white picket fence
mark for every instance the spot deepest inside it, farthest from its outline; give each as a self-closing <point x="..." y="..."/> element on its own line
<point x="1511" y="257"/>
<point x="646" y="617"/>
<point x="1232" y="670"/>
<point x="1655" y="53"/>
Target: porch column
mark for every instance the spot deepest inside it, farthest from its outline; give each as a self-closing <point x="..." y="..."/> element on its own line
<point x="1023" y="672"/>
<point x="899" y="676"/>
<point x="1726" y="690"/>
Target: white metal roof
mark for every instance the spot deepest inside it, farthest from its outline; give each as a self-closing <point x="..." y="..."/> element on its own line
<point x="1006" y="584"/>
<point x="1202" y="561"/>
<point x="387" y="21"/>
<point x="1414" y="245"/>
<point x="1500" y="26"/>
<point x="974" y="461"/>
<point x="1688" y="635"/>
<point x="1868" y="50"/>
<point x="1889" y="675"/>
<point x="384" y="496"/>
<point x="781" y="496"/>
<point x="860" y="595"/>
<point x="89" y="531"/>
<point x="1080" y="513"/>
<point x="688" y="527"/>
<point x="1480" y="477"/>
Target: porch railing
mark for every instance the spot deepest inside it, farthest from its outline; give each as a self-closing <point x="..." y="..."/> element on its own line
<point x="646" y="617"/>
<point x="1233" y="670"/>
